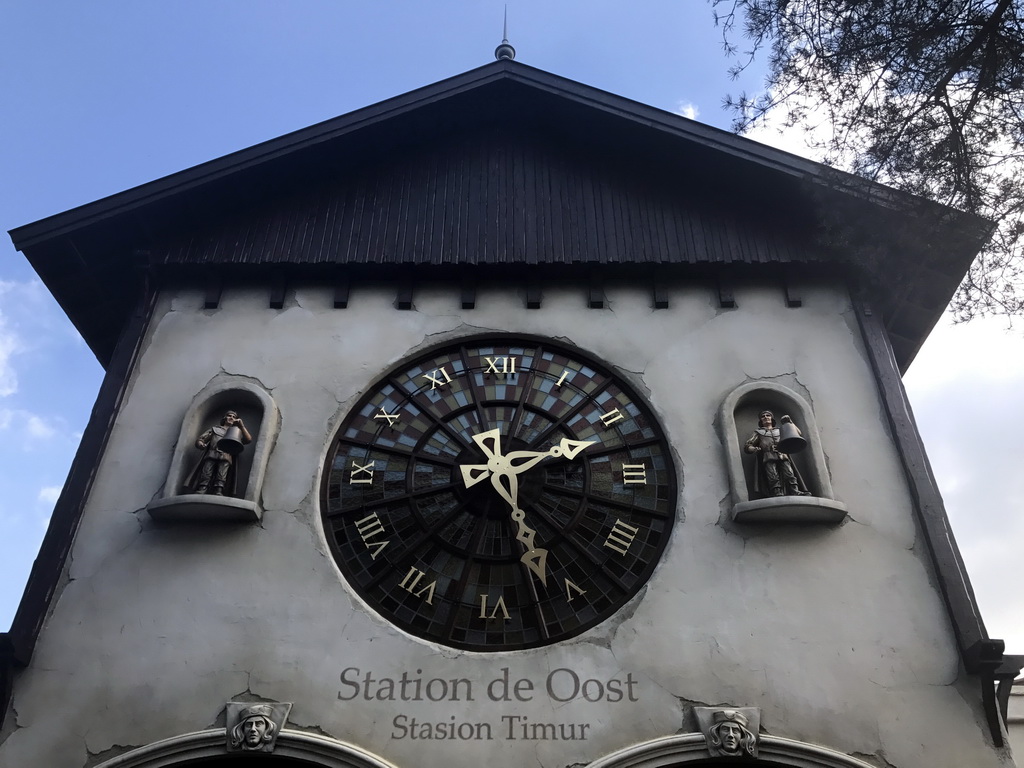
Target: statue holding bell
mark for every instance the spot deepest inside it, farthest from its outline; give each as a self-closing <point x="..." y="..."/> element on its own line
<point x="215" y="473"/>
<point x="774" y="471"/>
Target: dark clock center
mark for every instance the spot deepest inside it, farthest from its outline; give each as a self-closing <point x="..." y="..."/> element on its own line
<point x="482" y="500"/>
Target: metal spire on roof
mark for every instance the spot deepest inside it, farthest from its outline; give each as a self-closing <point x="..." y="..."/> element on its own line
<point x="505" y="50"/>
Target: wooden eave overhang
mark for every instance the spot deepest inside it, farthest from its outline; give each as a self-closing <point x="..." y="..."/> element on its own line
<point x="93" y="257"/>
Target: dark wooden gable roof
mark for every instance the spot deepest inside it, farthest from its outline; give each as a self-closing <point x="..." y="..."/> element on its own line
<point x="498" y="195"/>
<point x="502" y="166"/>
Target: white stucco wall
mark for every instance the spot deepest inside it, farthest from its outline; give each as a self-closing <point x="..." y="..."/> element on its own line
<point x="837" y="633"/>
<point x="1015" y="720"/>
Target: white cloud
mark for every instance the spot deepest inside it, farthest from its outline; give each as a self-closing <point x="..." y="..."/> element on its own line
<point x="794" y="140"/>
<point x="32" y="428"/>
<point x="49" y="494"/>
<point x="686" y="109"/>
<point x="38" y="429"/>
<point x="984" y="353"/>
<point x="814" y="130"/>
<point x="30" y="321"/>
<point x="965" y="390"/>
<point x="9" y="345"/>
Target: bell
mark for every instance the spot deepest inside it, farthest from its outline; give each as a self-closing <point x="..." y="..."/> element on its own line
<point x="790" y="439"/>
<point x="231" y="442"/>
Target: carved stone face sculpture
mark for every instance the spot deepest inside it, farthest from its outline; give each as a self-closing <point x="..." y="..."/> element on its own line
<point x="255" y="729"/>
<point x="766" y="419"/>
<point x="729" y="735"/>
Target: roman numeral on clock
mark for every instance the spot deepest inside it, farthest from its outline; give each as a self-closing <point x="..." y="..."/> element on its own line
<point x="634" y="474"/>
<point x="412" y="580"/>
<point x="612" y="417"/>
<point x="498" y="606"/>
<point x="370" y="527"/>
<point x="570" y="588"/>
<point x="620" y="537"/>
<point x="361" y="474"/>
<point x="503" y="364"/>
<point x="438" y="378"/>
<point x="391" y="417"/>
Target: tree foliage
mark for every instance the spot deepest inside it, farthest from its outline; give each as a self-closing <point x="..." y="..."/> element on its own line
<point x="924" y="95"/>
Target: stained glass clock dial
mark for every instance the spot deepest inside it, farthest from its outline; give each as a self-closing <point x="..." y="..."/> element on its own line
<point x="498" y="494"/>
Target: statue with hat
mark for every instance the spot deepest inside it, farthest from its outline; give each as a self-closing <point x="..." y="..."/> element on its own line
<point x="774" y="471"/>
<point x="215" y="473"/>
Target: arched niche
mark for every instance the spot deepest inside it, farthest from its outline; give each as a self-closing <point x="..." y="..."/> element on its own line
<point x="738" y="420"/>
<point x="691" y="748"/>
<point x="207" y="749"/>
<point x="260" y="415"/>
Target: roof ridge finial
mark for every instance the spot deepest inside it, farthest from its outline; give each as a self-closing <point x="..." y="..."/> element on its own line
<point x="505" y="50"/>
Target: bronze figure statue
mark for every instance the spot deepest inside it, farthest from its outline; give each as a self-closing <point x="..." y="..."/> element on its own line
<point x="774" y="471"/>
<point x="215" y="473"/>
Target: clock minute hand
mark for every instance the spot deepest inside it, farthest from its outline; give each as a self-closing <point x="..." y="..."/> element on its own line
<point x="508" y="466"/>
<point x="504" y="470"/>
<point x="514" y="463"/>
<point x="520" y="461"/>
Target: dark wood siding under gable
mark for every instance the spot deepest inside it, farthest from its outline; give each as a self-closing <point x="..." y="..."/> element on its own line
<point x="496" y="197"/>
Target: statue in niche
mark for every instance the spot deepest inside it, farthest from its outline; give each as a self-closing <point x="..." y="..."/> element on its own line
<point x="215" y="473"/>
<point x="255" y="730"/>
<point x="730" y="735"/>
<point x="774" y="471"/>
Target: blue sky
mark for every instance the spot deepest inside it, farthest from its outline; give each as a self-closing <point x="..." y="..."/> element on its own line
<point x="100" y="97"/>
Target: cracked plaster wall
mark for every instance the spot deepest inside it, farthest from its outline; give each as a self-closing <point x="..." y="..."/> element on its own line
<point x="838" y="634"/>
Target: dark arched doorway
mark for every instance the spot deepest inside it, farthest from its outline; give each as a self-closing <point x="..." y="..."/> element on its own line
<point x="244" y="760"/>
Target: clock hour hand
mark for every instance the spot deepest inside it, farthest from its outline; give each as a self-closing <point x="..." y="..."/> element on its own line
<point x="535" y="558"/>
<point x="507" y="486"/>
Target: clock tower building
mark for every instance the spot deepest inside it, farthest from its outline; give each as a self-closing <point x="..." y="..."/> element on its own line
<point x="506" y="420"/>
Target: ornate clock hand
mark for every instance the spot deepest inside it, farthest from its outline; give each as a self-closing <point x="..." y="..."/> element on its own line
<point x="506" y="483"/>
<point x="520" y="461"/>
<point x="504" y="470"/>
<point x="515" y="462"/>
<point x="489" y="442"/>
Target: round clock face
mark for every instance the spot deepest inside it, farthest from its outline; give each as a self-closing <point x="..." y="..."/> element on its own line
<point x="498" y="494"/>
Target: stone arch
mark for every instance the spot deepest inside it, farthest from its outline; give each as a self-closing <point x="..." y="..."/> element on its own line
<point x="208" y="748"/>
<point x="691" y="749"/>
<point x="737" y="419"/>
<point x="260" y="414"/>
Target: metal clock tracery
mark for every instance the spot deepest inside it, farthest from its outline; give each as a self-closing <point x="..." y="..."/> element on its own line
<point x="498" y="494"/>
